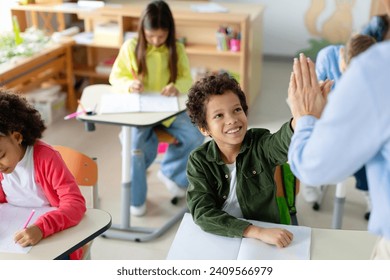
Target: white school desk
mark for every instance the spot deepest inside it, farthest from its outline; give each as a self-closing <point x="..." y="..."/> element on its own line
<point x="60" y="244"/>
<point x="326" y="244"/>
<point x="90" y="99"/>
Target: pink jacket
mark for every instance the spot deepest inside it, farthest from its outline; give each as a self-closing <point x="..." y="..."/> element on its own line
<point x="60" y="189"/>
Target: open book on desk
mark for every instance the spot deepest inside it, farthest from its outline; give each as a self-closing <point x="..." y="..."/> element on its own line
<point x="12" y="219"/>
<point x="192" y="243"/>
<point x="112" y="103"/>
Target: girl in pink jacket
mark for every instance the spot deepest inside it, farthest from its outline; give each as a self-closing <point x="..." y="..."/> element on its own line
<point x="33" y="174"/>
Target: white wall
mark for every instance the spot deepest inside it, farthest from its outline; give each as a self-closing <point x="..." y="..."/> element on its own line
<point x="285" y="31"/>
<point x="5" y="15"/>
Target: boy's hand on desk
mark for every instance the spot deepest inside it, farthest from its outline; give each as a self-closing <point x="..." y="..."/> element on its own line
<point x="29" y="236"/>
<point x="136" y="86"/>
<point x="274" y="236"/>
<point x="170" y="90"/>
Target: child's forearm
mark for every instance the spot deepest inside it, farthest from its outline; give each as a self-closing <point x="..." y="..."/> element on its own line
<point x="274" y="236"/>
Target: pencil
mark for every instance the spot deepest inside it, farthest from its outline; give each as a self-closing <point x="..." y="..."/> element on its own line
<point x="74" y="115"/>
<point x="29" y="219"/>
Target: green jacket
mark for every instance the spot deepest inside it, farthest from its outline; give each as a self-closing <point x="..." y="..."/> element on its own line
<point x="209" y="182"/>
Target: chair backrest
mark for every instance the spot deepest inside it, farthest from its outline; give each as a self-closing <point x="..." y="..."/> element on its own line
<point x="287" y="188"/>
<point x="85" y="171"/>
<point x="83" y="168"/>
<point x="164" y="136"/>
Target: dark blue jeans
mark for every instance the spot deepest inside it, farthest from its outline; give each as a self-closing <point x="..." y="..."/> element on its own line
<point x="361" y="179"/>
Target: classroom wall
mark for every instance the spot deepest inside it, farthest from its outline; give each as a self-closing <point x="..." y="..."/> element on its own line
<point x="308" y="25"/>
<point x="5" y="16"/>
<point x="293" y="26"/>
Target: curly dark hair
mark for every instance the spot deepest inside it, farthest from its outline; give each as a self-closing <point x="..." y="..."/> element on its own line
<point x="17" y="115"/>
<point x="200" y="93"/>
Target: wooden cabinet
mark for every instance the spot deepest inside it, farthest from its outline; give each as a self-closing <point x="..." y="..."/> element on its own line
<point x="198" y="29"/>
<point x="53" y="63"/>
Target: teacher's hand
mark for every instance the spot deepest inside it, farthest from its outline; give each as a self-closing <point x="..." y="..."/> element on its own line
<point x="305" y="95"/>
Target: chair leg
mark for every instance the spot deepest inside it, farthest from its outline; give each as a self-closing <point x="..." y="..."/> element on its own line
<point x="294" y="220"/>
<point x="318" y="203"/>
<point x="95" y="195"/>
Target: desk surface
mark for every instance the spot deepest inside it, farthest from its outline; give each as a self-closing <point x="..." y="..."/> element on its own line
<point x="326" y="244"/>
<point x="91" y="98"/>
<point x="337" y="244"/>
<point x="94" y="223"/>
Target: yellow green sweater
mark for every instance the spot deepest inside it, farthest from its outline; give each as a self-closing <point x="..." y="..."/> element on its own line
<point x="158" y="70"/>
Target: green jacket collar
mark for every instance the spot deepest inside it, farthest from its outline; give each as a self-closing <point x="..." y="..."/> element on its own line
<point x="214" y="155"/>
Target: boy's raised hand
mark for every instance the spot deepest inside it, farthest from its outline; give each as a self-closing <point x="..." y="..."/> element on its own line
<point x="325" y="87"/>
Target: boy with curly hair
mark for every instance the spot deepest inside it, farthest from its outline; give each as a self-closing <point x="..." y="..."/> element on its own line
<point x="232" y="176"/>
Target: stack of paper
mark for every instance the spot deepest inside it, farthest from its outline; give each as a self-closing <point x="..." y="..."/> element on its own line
<point x="146" y="102"/>
<point x="12" y="220"/>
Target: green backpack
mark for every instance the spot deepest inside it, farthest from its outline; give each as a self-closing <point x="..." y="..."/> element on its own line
<point x="287" y="187"/>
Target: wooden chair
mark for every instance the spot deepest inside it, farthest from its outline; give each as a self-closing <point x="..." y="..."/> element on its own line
<point x="164" y="136"/>
<point x="85" y="171"/>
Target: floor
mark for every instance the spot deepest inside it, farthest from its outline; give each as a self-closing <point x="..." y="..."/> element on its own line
<point x="269" y="110"/>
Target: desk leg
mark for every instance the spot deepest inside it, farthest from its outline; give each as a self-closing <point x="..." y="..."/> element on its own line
<point x="125" y="231"/>
<point x="126" y="154"/>
<point x="141" y="234"/>
<point x="339" y="201"/>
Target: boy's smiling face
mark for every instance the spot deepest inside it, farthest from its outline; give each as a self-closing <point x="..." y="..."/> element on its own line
<point x="226" y="120"/>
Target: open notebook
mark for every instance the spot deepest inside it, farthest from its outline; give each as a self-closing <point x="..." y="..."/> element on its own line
<point x="12" y="219"/>
<point x="192" y="243"/>
<point x="112" y="103"/>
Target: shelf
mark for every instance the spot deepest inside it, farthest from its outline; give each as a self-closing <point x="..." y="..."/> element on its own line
<point x="88" y="72"/>
<point x="190" y="49"/>
<point x="199" y="30"/>
<point x="86" y="39"/>
<point x="209" y="50"/>
<point x="94" y="45"/>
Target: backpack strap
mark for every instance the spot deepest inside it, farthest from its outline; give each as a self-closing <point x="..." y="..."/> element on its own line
<point x="288" y="189"/>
